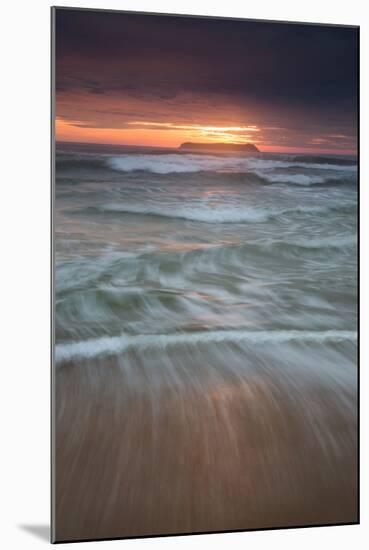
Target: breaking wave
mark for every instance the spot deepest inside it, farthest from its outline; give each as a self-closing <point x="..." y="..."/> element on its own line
<point x="114" y="345"/>
<point x="198" y="214"/>
<point x="176" y="163"/>
<point x="215" y="215"/>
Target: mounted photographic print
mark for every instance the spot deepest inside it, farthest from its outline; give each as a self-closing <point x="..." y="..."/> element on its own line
<point x="205" y="197"/>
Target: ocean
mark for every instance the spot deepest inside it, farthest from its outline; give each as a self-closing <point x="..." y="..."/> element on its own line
<point x="205" y="340"/>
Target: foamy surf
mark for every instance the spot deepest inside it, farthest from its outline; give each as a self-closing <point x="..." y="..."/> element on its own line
<point x="114" y="345"/>
<point x="199" y="214"/>
<point x="209" y="214"/>
<point x="298" y="179"/>
<point x="211" y="252"/>
<point x="176" y="163"/>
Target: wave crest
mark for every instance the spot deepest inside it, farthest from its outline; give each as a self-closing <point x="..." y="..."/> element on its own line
<point x="197" y="214"/>
<point x="216" y="215"/>
<point x="113" y="345"/>
<point x="177" y="163"/>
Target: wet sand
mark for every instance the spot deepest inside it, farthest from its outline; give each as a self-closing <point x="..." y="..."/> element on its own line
<point x="144" y="451"/>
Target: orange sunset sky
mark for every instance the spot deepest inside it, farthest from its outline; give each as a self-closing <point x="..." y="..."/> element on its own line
<point x="159" y="81"/>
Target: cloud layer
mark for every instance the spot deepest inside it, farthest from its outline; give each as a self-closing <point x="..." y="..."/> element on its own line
<point x="296" y="84"/>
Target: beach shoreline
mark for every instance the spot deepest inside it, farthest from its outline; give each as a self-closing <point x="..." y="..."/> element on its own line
<point x="220" y="451"/>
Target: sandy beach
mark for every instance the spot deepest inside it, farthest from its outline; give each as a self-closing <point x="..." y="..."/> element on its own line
<point x="145" y="454"/>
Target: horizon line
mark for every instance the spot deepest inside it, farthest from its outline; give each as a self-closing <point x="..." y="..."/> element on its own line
<point x="297" y="150"/>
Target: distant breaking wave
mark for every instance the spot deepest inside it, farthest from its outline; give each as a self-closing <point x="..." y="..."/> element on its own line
<point x="207" y="215"/>
<point x="292" y="171"/>
<point x="216" y="215"/>
<point x="176" y="163"/>
<point x="297" y="179"/>
<point x="114" y="345"/>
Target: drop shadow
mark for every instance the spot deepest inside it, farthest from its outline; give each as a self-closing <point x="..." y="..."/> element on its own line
<point x="40" y="531"/>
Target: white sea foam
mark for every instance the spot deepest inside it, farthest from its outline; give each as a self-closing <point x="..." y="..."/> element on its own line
<point x="107" y="346"/>
<point x="206" y="214"/>
<point x="298" y="179"/>
<point x="175" y="163"/>
<point x="271" y="164"/>
<point x="193" y="213"/>
<point x="164" y="164"/>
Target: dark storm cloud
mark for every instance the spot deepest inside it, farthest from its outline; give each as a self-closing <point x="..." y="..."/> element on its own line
<point x="123" y="71"/>
<point x="163" y="56"/>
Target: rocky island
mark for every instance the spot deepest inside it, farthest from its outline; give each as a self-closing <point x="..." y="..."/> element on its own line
<point x="219" y="147"/>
